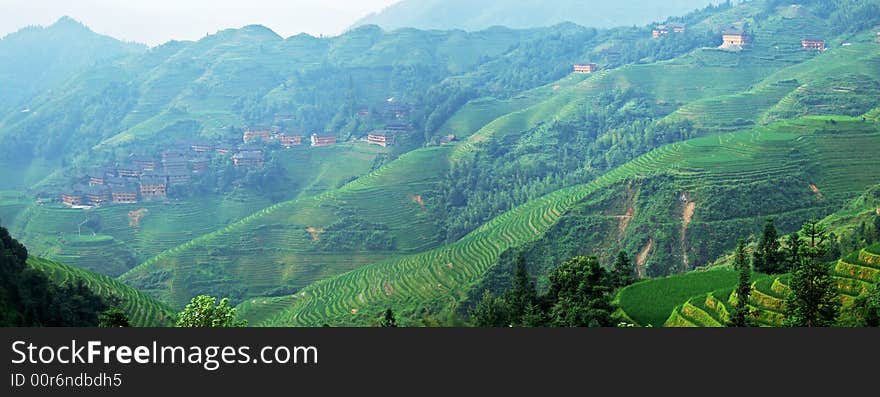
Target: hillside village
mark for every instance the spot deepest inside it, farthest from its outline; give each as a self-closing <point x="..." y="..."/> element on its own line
<point x="149" y="177"/>
<point x="153" y="176"/>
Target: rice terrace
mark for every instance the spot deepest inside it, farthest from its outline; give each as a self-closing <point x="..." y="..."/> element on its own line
<point x="711" y="166"/>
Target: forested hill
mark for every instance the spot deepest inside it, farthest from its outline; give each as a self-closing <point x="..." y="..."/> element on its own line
<point x="36" y="59"/>
<point x="480" y="14"/>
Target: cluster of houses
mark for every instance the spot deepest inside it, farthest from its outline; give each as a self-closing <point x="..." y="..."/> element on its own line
<point x="141" y="177"/>
<point x="147" y="178"/>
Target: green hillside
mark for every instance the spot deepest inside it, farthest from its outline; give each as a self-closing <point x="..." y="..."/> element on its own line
<point x="141" y="309"/>
<point x="291" y="244"/>
<point x="445" y="274"/>
<point x="704" y="298"/>
<point x="855" y="275"/>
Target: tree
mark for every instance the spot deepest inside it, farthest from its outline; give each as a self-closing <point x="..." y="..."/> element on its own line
<point x="388" y="320"/>
<point x="523" y="293"/>
<point x="622" y="271"/>
<point x="766" y="256"/>
<point x="203" y="311"/>
<point x="793" y="250"/>
<point x="580" y="294"/>
<point x="490" y="312"/>
<point x="877" y="227"/>
<point x="113" y="317"/>
<point x="813" y="300"/>
<point x="741" y="316"/>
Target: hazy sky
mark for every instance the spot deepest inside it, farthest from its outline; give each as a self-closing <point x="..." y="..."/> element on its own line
<point x="157" y="21"/>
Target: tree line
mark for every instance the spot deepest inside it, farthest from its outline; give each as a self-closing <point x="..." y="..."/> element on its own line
<point x="813" y="299"/>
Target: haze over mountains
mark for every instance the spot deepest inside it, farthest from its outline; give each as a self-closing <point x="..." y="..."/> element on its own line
<point x="550" y="142"/>
<point x="480" y="14"/>
<point x="36" y="59"/>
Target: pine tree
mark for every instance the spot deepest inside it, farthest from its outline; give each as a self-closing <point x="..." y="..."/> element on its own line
<point x="877" y="228"/>
<point x="580" y="294"/>
<point x="388" y="320"/>
<point x="490" y="312"/>
<point x="766" y="256"/>
<point x="523" y="293"/>
<point x="622" y="271"/>
<point x="793" y="251"/>
<point x="113" y="317"/>
<point x="813" y="300"/>
<point x="741" y="316"/>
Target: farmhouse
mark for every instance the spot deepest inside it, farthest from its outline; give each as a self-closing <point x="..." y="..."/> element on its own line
<point x="290" y="141"/>
<point x="381" y="137"/>
<point x="448" y="139"/>
<point x="248" y="158"/>
<point x="813" y="44"/>
<point x="254" y="135"/>
<point x="177" y="176"/>
<point x="660" y="30"/>
<point x="323" y="140"/>
<point x="396" y="110"/>
<point x="878" y="37"/>
<point x="72" y="198"/>
<point x="124" y="195"/>
<point x="153" y="187"/>
<point x="115" y="182"/>
<point x="98" y="195"/>
<point x="734" y="38"/>
<point x="585" y="68"/>
<point x="129" y="171"/>
<point x="144" y="163"/>
<point x="177" y="165"/>
<point x="199" y="165"/>
<point x="98" y="176"/>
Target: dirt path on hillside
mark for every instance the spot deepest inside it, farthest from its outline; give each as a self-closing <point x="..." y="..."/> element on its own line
<point x="418" y="200"/>
<point x="626" y="219"/>
<point x="687" y="215"/>
<point x="817" y="192"/>
<point x="642" y="259"/>
<point x="134" y="218"/>
<point x="315" y="233"/>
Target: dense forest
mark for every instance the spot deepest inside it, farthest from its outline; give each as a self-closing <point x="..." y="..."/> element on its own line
<point x="28" y="298"/>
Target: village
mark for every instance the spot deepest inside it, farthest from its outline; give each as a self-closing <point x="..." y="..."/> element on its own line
<point x="733" y="38"/>
<point x="151" y="177"/>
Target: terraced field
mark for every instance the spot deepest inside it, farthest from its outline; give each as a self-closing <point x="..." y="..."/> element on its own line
<point x="110" y="240"/>
<point x="855" y="275"/>
<point x="142" y="310"/>
<point x="277" y="246"/>
<point x="445" y="274"/>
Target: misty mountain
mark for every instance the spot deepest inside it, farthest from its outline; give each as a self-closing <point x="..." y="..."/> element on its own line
<point x="480" y="14"/>
<point x="36" y="59"/>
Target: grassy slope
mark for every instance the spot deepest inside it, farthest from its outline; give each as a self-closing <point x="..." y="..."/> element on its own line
<point x="854" y="274"/>
<point x="142" y="310"/>
<point x="708" y="295"/>
<point x="272" y="248"/>
<point x="115" y="246"/>
<point x="441" y="275"/>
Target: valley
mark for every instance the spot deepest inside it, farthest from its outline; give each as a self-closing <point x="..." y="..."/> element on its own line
<point x="409" y="169"/>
